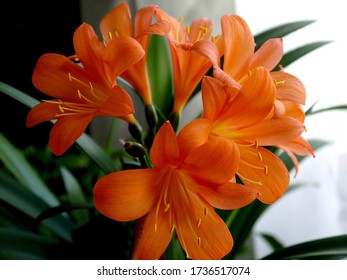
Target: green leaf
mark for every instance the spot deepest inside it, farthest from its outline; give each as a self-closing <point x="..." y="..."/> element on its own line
<point x="299" y="52"/>
<point x="280" y="31"/>
<point x="160" y="73"/>
<point x="75" y="194"/>
<point x="338" y="107"/>
<point x="85" y="142"/>
<point x="17" y="244"/>
<point x="272" y="241"/>
<point x="331" y="247"/>
<point x="21" y="169"/>
<point x="18" y="95"/>
<point x="13" y="193"/>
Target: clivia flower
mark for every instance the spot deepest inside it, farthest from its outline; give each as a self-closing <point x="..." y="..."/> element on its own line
<point x="193" y="52"/>
<point x="177" y="194"/>
<point x="83" y="91"/>
<point x="241" y="118"/>
<point x="118" y="23"/>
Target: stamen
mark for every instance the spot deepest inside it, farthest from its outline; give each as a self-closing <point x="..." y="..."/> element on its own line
<point x="110" y="35"/>
<point x="180" y="19"/>
<point x="205" y="211"/>
<point x="266" y="169"/>
<point x="249" y="180"/>
<point x="61" y="109"/>
<point x="260" y="156"/>
<point x="252" y="165"/>
<point x="198" y="222"/>
<point x="278" y="82"/>
<point x="213" y="39"/>
<point x="172" y="229"/>
<point x="187" y="29"/>
<point x="199" y="241"/>
<point x="167" y="207"/>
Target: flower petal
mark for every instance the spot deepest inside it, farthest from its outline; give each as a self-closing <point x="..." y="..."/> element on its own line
<point x="268" y="55"/>
<point x="202" y="233"/>
<point x="117" y="23"/>
<point x="154" y="237"/>
<point x="43" y="111"/>
<point x="120" y="54"/>
<point x="89" y="51"/>
<point x="118" y="104"/>
<point x="214" y="162"/>
<point x="126" y="195"/>
<point x="208" y="50"/>
<point x="52" y="75"/>
<point x="272" y="132"/>
<point x="228" y="196"/>
<point x="263" y="171"/>
<point x="238" y="46"/>
<point x="289" y="87"/>
<point x="165" y="150"/>
<point x="67" y="130"/>
<point x="193" y="135"/>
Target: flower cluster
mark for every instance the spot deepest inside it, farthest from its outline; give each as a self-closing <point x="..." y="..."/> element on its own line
<point x="219" y="160"/>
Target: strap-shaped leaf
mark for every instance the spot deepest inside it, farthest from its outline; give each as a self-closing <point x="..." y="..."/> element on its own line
<point x="85" y="141"/>
<point x="332" y="248"/>
<point x="280" y="31"/>
<point x="299" y="52"/>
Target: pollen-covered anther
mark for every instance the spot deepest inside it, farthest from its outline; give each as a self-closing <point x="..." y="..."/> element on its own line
<point x="260" y="157"/>
<point x="187" y="29"/>
<point x="205" y="211"/>
<point x="266" y="169"/>
<point x="198" y="222"/>
<point x="199" y="240"/>
<point x="166" y="208"/>
<point x="277" y="83"/>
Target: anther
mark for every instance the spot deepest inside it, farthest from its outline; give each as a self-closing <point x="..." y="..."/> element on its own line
<point x="172" y="229"/>
<point x="155" y="227"/>
<point x="266" y="169"/>
<point x="249" y="72"/>
<point x="249" y="180"/>
<point x="205" y="211"/>
<point x="61" y="109"/>
<point x="79" y="94"/>
<point x="180" y="19"/>
<point x="198" y="222"/>
<point x="187" y="29"/>
<point x="167" y="207"/>
<point x="256" y="144"/>
<point x="260" y="156"/>
<point x="204" y="29"/>
<point x="278" y="82"/>
<point x="110" y="35"/>
<point x="70" y="77"/>
<point x="213" y="39"/>
<point x="199" y="241"/>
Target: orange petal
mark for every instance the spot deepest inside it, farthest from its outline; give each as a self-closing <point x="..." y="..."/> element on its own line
<point x="193" y="135"/>
<point x="200" y="29"/>
<point x="263" y="171"/>
<point x="214" y="162"/>
<point x="154" y="237"/>
<point x="255" y="99"/>
<point x="238" y="46"/>
<point x="42" y="112"/>
<point x="52" y="76"/>
<point x="208" y="50"/>
<point x="299" y="146"/>
<point x="165" y="150"/>
<point x="272" y="132"/>
<point x="117" y="23"/>
<point x="228" y="196"/>
<point x="120" y="54"/>
<point x="268" y="55"/>
<point x="118" y="104"/>
<point x="177" y="31"/>
<point x="126" y="195"/>
<point x="89" y="51"/>
<point x="66" y="131"/>
<point x="202" y="233"/>
<point x="289" y="87"/>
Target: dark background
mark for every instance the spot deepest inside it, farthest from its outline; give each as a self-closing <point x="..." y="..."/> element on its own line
<point x="28" y="30"/>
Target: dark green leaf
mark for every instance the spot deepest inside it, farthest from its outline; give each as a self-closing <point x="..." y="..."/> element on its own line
<point x="335" y="247"/>
<point x="338" y="107"/>
<point x="85" y="142"/>
<point x="299" y="52"/>
<point x="14" y="160"/>
<point x="32" y="205"/>
<point x="280" y="31"/>
<point x="17" y="244"/>
<point x="272" y="241"/>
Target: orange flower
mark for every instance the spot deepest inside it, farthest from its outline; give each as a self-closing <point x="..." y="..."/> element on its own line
<point x="179" y="193"/>
<point x="240" y="61"/>
<point x="242" y="118"/>
<point x="117" y="23"/>
<point x="192" y="54"/>
<point x="83" y="92"/>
